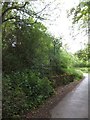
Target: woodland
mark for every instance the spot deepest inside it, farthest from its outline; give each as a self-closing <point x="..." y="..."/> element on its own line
<point x="33" y="59"/>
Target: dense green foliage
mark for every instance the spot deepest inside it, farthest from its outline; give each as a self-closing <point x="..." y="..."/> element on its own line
<point x="31" y="48"/>
<point x="83" y="58"/>
<point x="31" y="57"/>
<point x="84" y="69"/>
<point x="23" y="91"/>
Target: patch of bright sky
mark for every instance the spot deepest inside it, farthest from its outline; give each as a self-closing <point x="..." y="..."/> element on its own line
<point x="62" y="26"/>
<point x="59" y="25"/>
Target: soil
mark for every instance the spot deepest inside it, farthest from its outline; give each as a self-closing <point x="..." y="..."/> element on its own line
<point x="60" y="92"/>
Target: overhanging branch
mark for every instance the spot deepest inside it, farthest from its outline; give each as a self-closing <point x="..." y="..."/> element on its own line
<point x="13" y="7"/>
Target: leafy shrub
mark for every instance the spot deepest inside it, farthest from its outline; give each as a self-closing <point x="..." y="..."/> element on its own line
<point x="71" y="75"/>
<point x="82" y="64"/>
<point x="67" y="79"/>
<point x="84" y="69"/>
<point x="89" y="69"/>
<point x="61" y="61"/>
<point x="23" y="91"/>
<point x="77" y="74"/>
<point x="74" y="73"/>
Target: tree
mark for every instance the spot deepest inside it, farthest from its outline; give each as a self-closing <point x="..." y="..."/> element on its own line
<point x="8" y="10"/>
<point x="24" y="39"/>
<point x="81" y="15"/>
<point x="14" y="10"/>
<point x="81" y="12"/>
<point x="83" y="56"/>
<point x="28" y="46"/>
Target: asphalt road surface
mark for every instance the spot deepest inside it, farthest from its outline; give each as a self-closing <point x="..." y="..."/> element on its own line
<point x="74" y="104"/>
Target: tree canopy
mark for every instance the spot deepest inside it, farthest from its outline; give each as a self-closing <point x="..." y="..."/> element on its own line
<point x="81" y="12"/>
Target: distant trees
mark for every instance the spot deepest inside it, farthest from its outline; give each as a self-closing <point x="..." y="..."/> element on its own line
<point x="84" y="56"/>
<point x="81" y="15"/>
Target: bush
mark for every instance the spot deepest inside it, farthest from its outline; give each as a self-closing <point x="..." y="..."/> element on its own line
<point x="76" y="74"/>
<point x="69" y="76"/>
<point x="85" y="69"/>
<point x="82" y="64"/>
<point x="89" y="69"/>
<point x="23" y="91"/>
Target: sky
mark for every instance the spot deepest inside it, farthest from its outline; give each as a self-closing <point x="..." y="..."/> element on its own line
<point x="61" y="26"/>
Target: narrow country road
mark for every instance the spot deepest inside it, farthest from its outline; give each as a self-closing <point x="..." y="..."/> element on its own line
<point x="74" y="104"/>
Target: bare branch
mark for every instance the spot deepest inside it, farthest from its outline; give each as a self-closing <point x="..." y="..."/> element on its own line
<point x="13" y="7"/>
<point x="8" y="19"/>
<point x="42" y="9"/>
